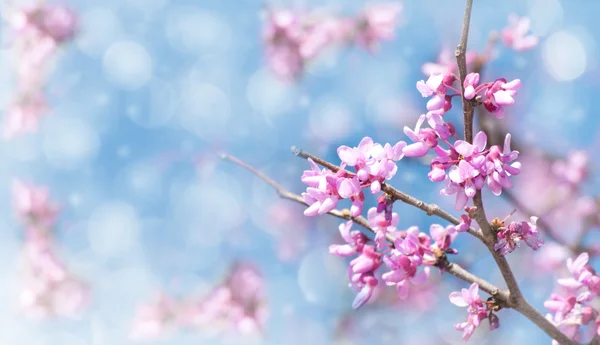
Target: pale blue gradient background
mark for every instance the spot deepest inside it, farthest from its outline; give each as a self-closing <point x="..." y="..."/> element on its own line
<point x="152" y="86"/>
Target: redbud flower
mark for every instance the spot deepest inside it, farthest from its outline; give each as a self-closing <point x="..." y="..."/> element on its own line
<point x="499" y="95"/>
<point x="470" y="83"/>
<point x="424" y="139"/>
<point x="355" y="241"/>
<point x="382" y="225"/>
<point x="515" y="34"/>
<point x="434" y="87"/>
<point x="476" y="308"/>
<point x="443" y="237"/>
<point x="321" y="195"/>
<point x="510" y="236"/>
<point x="373" y="163"/>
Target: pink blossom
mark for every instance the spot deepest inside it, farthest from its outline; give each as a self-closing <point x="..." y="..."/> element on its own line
<point x="23" y="116"/>
<point x="443" y="236"/>
<point x="515" y="34"/>
<point x="377" y="23"/>
<point x="321" y="195"/>
<point x="38" y="33"/>
<point x="424" y="139"/>
<point x="510" y="236"/>
<point x="500" y="94"/>
<point x="33" y="205"/>
<point x="498" y="169"/>
<point x="355" y="241"/>
<point x="404" y="261"/>
<point x="434" y="86"/>
<point x="155" y="318"/>
<point x="382" y="225"/>
<point x="237" y="305"/>
<point x="476" y="308"/>
<point x="470" y="83"/>
<point x="573" y="170"/>
<point x="446" y="64"/>
<point x="49" y="288"/>
<point x="373" y="162"/>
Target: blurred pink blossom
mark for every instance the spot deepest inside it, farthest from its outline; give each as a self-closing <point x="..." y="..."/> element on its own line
<point x="515" y="34"/>
<point x="294" y="38"/>
<point x="33" y="206"/>
<point x="237" y="305"/>
<point x="38" y="31"/>
<point x="155" y="318"/>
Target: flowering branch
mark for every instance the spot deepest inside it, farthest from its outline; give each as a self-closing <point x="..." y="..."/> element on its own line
<point x="502" y="296"/>
<point x="430" y="209"/>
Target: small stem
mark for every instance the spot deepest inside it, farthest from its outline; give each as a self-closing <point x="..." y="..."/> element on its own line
<point x="461" y="61"/>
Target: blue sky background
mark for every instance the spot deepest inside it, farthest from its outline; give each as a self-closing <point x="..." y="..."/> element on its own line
<point x="152" y="90"/>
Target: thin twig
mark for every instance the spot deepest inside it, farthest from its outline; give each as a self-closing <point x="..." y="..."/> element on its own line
<point x="285" y="194"/>
<point x="461" y="61"/>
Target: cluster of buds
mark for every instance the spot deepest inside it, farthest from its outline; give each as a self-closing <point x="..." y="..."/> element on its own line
<point x="374" y="163"/>
<point x="39" y="31"/>
<point x="464" y="167"/>
<point x="477" y="310"/>
<point x="509" y="236"/>
<point x="494" y="95"/>
<point x="292" y="38"/>
<point x="403" y="255"/>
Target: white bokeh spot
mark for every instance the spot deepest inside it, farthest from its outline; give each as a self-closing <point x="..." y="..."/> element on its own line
<point x="69" y="142"/>
<point x="128" y="65"/>
<point x="564" y="56"/>
<point x="113" y="229"/>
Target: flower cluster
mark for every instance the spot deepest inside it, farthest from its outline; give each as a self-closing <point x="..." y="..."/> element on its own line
<point x="511" y="235"/>
<point x="373" y="163"/>
<point x="464" y="167"/>
<point x="237" y="305"/>
<point x="49" y="288"/>
<point x="494" y="95"/>
<point x="292" y="39"/>
<point x="515" y="34"/>
<point x="410" y="250"/>
<point x="39" y="31"/>
<point x="477" y="309"/>
<point x="572" y="306"/>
